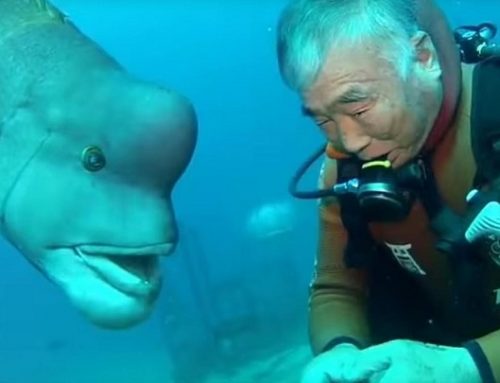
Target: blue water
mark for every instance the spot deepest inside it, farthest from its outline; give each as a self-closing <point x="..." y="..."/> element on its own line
<point x="221" y="55"/>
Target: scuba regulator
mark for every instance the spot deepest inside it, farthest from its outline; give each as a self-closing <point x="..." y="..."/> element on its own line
<point x="383" y="193"/>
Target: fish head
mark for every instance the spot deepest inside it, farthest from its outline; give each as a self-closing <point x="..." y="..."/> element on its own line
<point x="91" y="207"/>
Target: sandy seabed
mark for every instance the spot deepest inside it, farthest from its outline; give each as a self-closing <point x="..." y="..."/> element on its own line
<point x="285" y="367"/>
<point x="148" y="367"/>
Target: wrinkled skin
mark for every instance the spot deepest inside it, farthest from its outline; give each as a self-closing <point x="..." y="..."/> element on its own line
<point x="93" y="222"/>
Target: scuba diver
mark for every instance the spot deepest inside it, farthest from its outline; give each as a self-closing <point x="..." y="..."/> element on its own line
<point x="406" y="284"/>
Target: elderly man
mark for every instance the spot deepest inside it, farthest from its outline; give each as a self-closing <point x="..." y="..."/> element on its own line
<point x="395" y="297"/>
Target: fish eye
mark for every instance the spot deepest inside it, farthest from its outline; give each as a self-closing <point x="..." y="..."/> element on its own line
<point x="93" y="158"/>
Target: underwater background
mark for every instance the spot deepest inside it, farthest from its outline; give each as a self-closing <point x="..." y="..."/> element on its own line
<point x="234" y="302"/>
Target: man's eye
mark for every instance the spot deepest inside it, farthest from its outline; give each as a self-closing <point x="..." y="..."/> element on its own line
<point x="322" y="122"/>
<point x="360" y="113"/>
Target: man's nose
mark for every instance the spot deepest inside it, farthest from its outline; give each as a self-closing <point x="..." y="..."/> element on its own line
<point x="352" y="136"/>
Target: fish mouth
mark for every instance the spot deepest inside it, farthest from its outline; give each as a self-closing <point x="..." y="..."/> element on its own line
<point x="110" y="250"/>
<point x="134" y="271"/>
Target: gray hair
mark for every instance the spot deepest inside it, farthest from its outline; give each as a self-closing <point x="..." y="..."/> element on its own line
<point x="309" y="29"/>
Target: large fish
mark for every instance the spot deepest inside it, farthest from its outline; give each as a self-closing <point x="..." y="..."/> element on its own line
<point x="88" y="159"/>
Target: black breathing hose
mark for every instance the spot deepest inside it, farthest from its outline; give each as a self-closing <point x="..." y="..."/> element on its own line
<point x="293" y="186"/>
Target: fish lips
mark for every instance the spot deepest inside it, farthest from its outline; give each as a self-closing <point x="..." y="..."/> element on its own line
<point x="133" y="271"/>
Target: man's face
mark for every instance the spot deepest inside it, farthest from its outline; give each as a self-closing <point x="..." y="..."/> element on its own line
<point x="367" y="109"/>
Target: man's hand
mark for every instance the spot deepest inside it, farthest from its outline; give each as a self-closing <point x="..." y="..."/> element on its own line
<point x="416" y="362"/>
<point x="342" y="365"/>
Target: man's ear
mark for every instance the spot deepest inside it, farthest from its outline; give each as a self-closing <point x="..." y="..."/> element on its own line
<point x="425" y="52"/>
